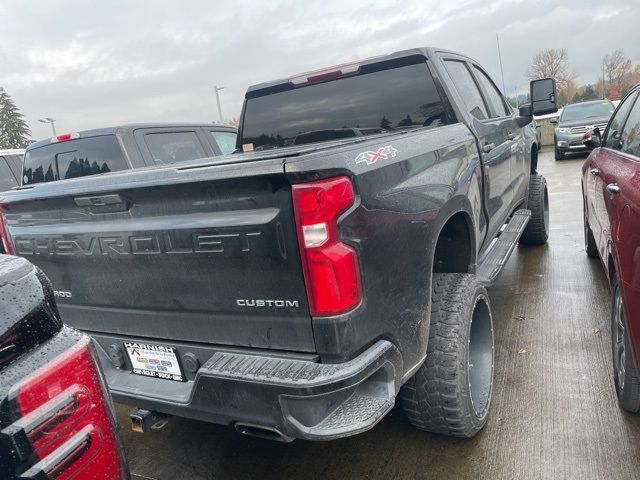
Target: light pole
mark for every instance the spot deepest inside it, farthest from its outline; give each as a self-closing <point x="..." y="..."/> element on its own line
<point x="50" y="121"/>
<point x="217" y="89"/>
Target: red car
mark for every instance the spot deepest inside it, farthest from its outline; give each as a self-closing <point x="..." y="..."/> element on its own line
<point x="611" y="192"/>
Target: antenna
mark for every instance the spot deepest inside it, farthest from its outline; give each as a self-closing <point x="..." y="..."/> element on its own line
<point x="500" y="59"/>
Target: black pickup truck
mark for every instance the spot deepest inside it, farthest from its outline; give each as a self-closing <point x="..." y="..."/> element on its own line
<point x="297" y="288"/>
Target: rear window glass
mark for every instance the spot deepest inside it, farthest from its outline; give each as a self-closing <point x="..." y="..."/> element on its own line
<point x="75" y="158"/>
<point x="172" y="147"/>
<point x="225" y="140"/>
<point x="376" y="102"/>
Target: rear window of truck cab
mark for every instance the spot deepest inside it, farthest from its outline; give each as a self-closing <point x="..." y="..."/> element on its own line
<point x="74" y="158"/>
<point x="379" y="99"/>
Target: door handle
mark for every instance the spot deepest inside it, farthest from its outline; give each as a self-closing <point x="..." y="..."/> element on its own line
<point x="613" y="189"/>
<point x="594" y="171"/>
<point x="487" y="147"/>
<point x="109" y="203"/>
<point x="511" y="135"/>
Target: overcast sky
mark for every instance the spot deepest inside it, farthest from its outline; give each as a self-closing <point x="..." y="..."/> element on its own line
<point x="100" y="63"/>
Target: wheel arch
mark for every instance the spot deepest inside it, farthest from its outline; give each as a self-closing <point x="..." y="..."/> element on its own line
<point x="454" y="232"/>
<point x="534" y="157"/>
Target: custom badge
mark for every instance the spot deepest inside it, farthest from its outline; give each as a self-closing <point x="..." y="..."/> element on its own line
<point x="372" y="157"/>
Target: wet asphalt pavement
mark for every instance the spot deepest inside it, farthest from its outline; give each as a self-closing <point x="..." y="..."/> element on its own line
<point x="554" y="413"/>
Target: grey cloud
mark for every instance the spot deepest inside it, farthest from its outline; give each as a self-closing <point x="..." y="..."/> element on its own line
<point x="91" y="64"/>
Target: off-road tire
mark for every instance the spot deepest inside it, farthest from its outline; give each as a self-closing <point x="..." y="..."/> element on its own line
<point x="438" y="398"/>
<point x="557" y="154"/>
<point x="628" y="387"/>
<point x="537" y="230"/>
<point x="589" y="241"/>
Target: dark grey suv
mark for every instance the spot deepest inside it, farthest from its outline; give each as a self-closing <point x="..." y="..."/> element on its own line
<point x="112" y="149"/>
<point x="577" y="119"/>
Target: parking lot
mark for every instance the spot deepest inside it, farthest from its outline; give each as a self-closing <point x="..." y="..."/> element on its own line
<point x="554" y="412"/>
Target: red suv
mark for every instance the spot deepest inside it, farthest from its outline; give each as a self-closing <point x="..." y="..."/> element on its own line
<point x="611" y="192"/>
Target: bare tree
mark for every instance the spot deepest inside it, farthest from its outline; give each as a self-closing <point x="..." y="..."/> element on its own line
<point x="619" y="69"/>
<point x="554" y="63"/>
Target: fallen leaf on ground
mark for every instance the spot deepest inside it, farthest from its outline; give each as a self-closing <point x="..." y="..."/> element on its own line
<point x="520" y="317"/>
<point x="595" y="330"/>
<point x="522" y="351"/>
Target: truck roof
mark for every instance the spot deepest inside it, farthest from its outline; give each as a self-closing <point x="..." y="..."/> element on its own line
<point x="425" y="52"/>
<point x="12" y="151"/>
<point x="134" y="126"/>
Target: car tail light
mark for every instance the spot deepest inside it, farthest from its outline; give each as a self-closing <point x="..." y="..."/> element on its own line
<point x="325" y="74"/>
<point x="4" y="234"/>
<point x="66" y="429"/>
<point x="330" y="267"/>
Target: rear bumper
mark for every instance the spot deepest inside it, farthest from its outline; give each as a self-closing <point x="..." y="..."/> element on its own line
<point x="292" y="398"/>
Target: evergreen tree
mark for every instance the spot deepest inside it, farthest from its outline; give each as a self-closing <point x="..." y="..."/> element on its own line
<point x="589" y="93"/>
<point x="14" y="131"/>
<point x="385" y="124"/>
<point x="406" y="121"/>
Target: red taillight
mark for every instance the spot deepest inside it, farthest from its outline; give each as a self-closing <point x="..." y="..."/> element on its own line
<point x="4" y="234"/>
<point x="325" y="74"/>
<point x="330" y="267"/>
<point x="66" y="423"/>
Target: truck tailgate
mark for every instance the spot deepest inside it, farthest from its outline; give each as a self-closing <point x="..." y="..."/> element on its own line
<point x="201" y="253"/>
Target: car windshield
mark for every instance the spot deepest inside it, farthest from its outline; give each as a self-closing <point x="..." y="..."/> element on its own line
<point x="366" y="104"/>
<point x="583" y="111"/>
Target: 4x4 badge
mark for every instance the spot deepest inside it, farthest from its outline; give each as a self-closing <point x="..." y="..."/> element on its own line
<point x="372" y="157"/>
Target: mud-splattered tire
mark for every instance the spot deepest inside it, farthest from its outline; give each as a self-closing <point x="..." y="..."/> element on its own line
<point x="537" y="230"/>
<point x="450" y="394"/>
<point x="589" y="241"/>
<point x="625" y="375"/>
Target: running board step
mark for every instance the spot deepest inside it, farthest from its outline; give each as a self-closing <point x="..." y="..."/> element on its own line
<point x="499" y="252"/>
<point x="358" y="413"/>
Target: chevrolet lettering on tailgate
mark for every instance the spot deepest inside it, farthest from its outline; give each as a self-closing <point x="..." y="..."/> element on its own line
<point x="145" y="244"/>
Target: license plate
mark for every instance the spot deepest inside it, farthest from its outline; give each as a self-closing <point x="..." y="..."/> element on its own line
<point x="153" y="360"/>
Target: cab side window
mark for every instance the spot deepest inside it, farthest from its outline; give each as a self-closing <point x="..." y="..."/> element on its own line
<point x="7" y="179"/>
<point x="172" y="147"/>
<point x="614" y="130"/>
<point x="494" y="97"/>
<point x="226" y="141"/>
<point x="630" y="137"/>
<point x="467" y="88"/>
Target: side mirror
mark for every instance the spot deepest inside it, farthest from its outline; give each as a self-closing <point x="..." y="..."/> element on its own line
<point x="543" y="96"/>
<point x="592" y="139"/>
<point x="525" y="110"/>
<point x="525" y="117"/>
<point x="553" y="121"/>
